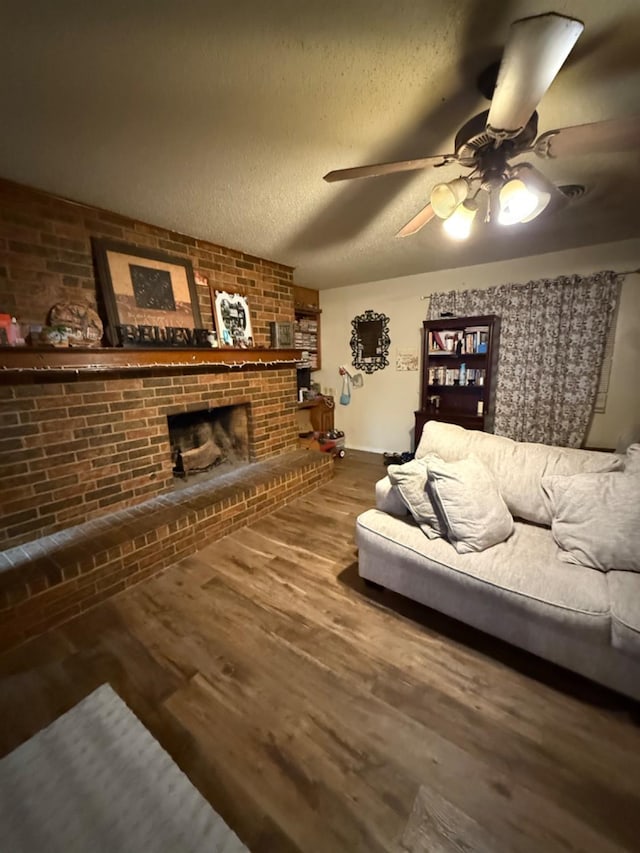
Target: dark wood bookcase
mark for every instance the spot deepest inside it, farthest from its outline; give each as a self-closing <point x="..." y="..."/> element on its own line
<point x="459" y="364"/>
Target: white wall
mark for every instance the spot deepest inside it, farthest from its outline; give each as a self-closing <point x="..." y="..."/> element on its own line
<point x="380" y="415"/>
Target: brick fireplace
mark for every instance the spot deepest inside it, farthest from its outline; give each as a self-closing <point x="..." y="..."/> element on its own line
<point x="85" y="445"/>
<point x="86" y="458"/>
<point x="77" y="444"/>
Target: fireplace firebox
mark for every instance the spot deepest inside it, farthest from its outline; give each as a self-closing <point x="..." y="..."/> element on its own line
<point x="208" y="441"/>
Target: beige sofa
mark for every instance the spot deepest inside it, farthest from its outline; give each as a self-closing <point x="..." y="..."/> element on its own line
<point x="522" y="590"/>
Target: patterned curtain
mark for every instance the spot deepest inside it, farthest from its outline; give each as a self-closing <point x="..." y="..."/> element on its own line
<point x="552" y="339"/>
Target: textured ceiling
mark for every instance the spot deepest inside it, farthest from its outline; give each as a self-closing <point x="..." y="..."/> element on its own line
<point x="219" y="119"/>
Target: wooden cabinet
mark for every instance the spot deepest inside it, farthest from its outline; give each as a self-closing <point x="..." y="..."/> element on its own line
<point x="306" y="330"/>
<point x="318" y="413"/>
<point x="459" y="361"/>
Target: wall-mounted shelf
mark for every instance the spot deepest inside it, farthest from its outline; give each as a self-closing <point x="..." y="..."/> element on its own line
<point x="306" y="328"/>
<point x="306" y="333"/>
<point x="35" y="361"/>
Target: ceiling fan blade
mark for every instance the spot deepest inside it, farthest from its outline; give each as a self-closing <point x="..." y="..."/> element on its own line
<point x="618" y="134"/>
<point x="536" y="49"/>
<point x="388" y="168"/>
<point x="419" y="221"/>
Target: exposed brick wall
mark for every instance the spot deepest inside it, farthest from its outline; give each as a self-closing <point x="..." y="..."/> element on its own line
<point x="45" y="258"/>
<point x="72" y="450"/>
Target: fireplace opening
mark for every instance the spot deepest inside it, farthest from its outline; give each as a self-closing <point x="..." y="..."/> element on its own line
<point x="208" y="442"/>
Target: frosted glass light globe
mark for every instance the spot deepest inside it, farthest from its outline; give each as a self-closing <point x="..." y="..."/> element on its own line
<point x="458" y="225"/>
<point x="517" y="202"/>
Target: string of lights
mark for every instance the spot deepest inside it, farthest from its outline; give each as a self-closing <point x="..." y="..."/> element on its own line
<point x="88" y="368"/>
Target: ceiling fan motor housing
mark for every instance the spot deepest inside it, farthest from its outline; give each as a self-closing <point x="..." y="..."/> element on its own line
<point x="475" y="147"/>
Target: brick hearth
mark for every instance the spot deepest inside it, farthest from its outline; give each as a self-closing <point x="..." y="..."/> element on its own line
<point x="49" y="580"/>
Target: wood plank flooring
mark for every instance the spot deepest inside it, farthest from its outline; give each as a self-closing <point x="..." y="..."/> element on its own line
<point x="317" y="715"/>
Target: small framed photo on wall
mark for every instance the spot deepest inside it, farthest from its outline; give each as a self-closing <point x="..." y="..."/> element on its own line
<point x="233" y="323"/>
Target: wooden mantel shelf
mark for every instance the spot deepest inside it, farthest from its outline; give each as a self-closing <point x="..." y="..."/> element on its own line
<point x="34" y="360"/>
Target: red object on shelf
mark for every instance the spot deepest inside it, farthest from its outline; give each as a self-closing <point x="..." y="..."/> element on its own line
<point x="5" y="326"/>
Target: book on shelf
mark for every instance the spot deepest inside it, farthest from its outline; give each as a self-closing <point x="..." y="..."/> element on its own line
<point x="436" y="342"/>
<point x="469" y="342"/>
<point x="450" y="376"/>
<point x="483" y="342"/>
<point x="436" y="376"/>
<point x="452" y="342"/>
<point x="474" y="338"/>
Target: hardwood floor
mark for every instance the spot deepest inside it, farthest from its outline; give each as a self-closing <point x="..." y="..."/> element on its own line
<point x="318" y="715"/>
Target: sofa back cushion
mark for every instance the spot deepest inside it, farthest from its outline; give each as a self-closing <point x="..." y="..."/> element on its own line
<point x="466" y="497"/>
<point x="411" y="481"/>
<point x="518" y="467"/>
<point x="596" y="518"/>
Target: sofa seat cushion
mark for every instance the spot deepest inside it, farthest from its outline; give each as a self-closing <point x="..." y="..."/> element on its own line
<point x="522" y="574"/>
<point x="518" y="467"/>
<point x="624" y="594"/>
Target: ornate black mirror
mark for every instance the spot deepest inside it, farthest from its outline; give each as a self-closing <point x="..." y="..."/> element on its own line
<point x="370" y="341"/>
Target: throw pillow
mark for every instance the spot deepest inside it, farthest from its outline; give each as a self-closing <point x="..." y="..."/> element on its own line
<point x="411" y="481"/>
<point x="596" y="518"/>
<point x="632" y="459"/>
<point x="474" y="512"/>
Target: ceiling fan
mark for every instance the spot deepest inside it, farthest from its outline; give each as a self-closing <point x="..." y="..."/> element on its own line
<point x="510" y="193"/>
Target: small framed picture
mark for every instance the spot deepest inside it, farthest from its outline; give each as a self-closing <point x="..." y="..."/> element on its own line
<point x="233" y="323"/>
<point x="281" y="335"/>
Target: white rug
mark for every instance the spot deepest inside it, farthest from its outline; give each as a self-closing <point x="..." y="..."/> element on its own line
<point x="96" y="781"/>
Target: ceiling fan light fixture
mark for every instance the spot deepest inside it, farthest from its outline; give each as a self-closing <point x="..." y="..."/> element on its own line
<point x="458" y="225"/>
<point x="543" y="201"/>
<point x="445" y="198"/>
<point x="517" y="203"/>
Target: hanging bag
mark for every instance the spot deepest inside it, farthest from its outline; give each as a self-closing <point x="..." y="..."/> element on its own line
<point x="345" y="397"/>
